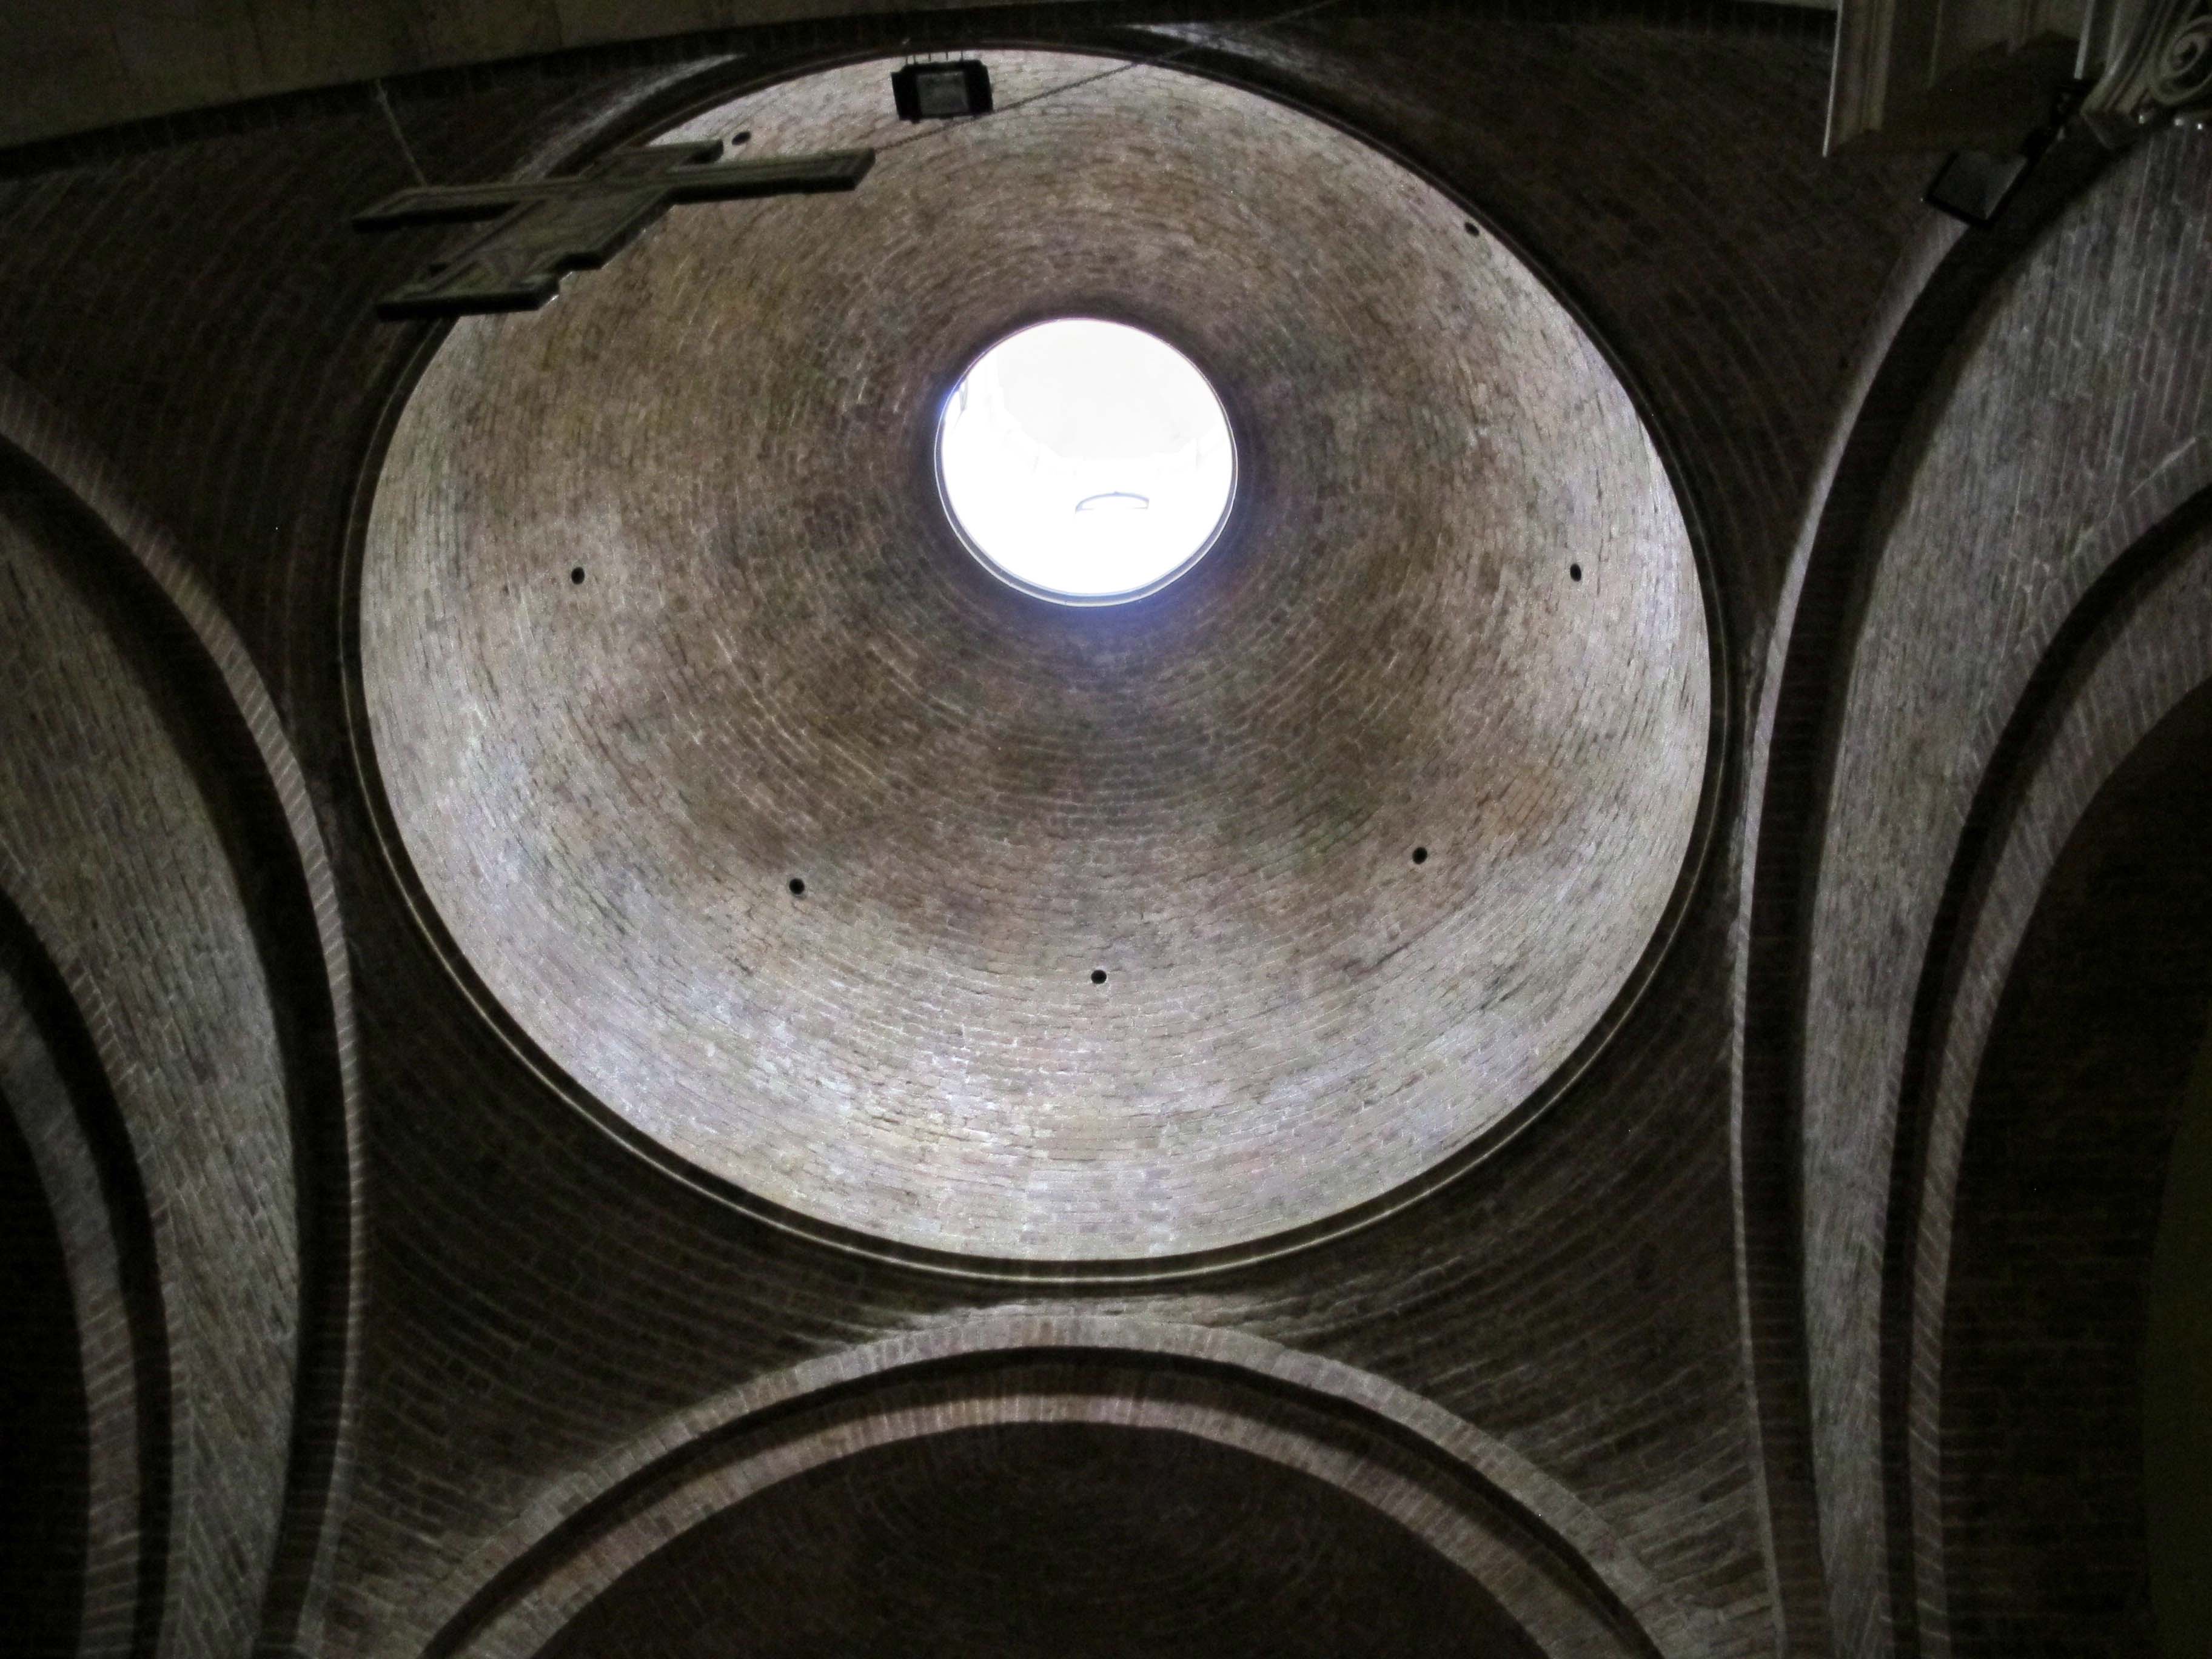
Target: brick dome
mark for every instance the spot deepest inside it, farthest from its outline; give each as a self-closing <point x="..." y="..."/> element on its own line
<point x="1369" y="822"/>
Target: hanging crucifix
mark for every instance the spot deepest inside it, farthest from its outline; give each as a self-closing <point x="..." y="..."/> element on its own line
<point x="544" y="229"/>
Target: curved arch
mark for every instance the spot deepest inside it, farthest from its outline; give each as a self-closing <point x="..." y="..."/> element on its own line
<point x="1548" y="1560"/>
<point x="1780" y="795"/>
<point x="2139" y="651"/>
<point x="60" y="1064"/>
<point x="297" y="931"/>
<point x="1936" y="283"/>
<point x="1828" y="1271"/>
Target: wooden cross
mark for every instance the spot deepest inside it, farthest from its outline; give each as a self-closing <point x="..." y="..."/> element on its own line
<point x="545" y="228"/>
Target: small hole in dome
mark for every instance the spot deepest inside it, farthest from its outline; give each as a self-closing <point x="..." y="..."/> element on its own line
<point x="798" y="888"/>
<point x="1421" y="855"/>
<point x="741" y="137"/>
<point x="1097" y="975"/>
<point x="577" y="576"/>
<point x="1574" y="572"/>
<point x="1472" y="228"/>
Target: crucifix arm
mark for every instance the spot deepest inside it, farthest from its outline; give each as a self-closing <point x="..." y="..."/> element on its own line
<point x="786" y="175"/>
<point x="543" y="227"/>
<point x="441" y="205"/>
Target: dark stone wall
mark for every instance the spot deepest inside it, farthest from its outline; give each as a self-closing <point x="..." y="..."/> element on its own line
<point x="200" y="311"/>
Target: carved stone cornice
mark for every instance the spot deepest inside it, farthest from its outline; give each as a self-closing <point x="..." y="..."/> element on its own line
<point x="2157" y="67"/>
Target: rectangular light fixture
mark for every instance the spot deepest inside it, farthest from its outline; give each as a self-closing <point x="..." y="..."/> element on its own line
<point x="1973" y="188"/>
<point x="941" y="92"/>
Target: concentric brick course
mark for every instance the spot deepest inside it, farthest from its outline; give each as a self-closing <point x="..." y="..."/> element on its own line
<point x="780" y="669"/>
<point x="191" y="295"/>
<point x="119" y="867"/>
<point x="2063" y="424"/>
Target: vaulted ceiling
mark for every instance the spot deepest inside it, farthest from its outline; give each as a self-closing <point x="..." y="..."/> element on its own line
<point x="75" y="67"/>
<point x="1704" y="1207"/>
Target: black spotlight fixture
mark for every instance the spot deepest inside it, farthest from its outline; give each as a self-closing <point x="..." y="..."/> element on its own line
<point x="941" y="92"/>
<point x="1973" y="187"/>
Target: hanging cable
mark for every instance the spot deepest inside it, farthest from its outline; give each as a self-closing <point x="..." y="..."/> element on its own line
<point x="1289" y="17"/>
<point x="391" y="120"/>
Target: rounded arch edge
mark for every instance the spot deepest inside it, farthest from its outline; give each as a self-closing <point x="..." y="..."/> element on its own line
<point x="1566" y="1578"/>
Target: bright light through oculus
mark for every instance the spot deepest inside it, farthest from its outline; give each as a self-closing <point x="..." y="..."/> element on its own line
<point x="1086" y="460"/>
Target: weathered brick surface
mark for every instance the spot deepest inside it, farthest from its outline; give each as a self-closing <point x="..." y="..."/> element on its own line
<point x="1017" y="1538"/>
<point x="1549" y="1568"/>
<point x="117" y="861"/>
<point x="201" y="311"/>
<point x="121" y="1248"/>
<point x="781" y="665"/>
<point x="2074" y="395"/>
